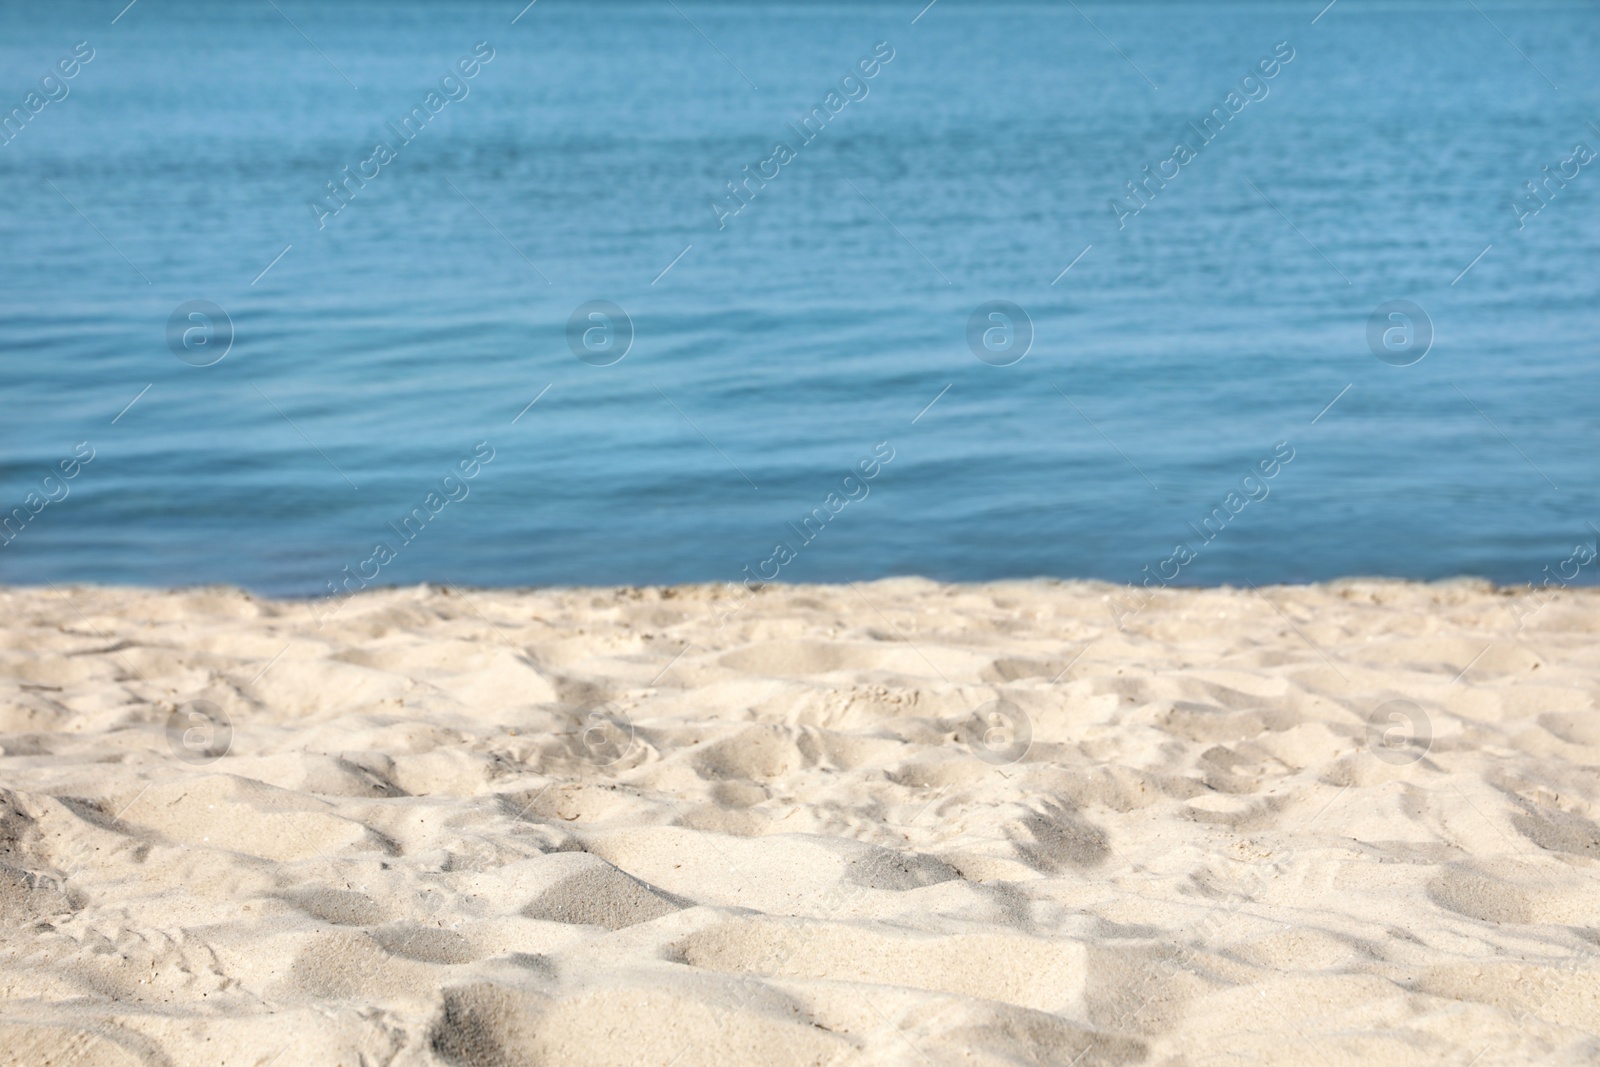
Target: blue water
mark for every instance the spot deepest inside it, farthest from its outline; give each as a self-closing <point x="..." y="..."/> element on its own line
<point x="821" y="319"/>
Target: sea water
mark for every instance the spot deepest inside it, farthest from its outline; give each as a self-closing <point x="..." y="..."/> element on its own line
<point x="314" y="296"/>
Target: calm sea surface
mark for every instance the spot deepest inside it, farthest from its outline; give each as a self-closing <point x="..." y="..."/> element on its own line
<point x="1200" y="335"/>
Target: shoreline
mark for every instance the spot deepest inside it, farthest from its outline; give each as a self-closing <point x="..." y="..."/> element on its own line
<point x="1473" y="581"/>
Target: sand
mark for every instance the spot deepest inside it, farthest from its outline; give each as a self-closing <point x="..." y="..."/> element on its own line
<point x="893" y="823"/>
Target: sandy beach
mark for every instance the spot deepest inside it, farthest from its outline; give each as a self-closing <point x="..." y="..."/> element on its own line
<point x="897" y="822"/>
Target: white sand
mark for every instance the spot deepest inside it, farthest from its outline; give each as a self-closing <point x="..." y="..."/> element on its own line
<point x="420" y="848"/>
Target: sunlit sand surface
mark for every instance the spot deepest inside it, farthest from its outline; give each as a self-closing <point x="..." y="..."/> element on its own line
<point x="893" y="823"/>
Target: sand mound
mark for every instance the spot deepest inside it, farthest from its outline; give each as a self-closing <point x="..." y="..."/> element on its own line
<point x="895" y="823"/>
